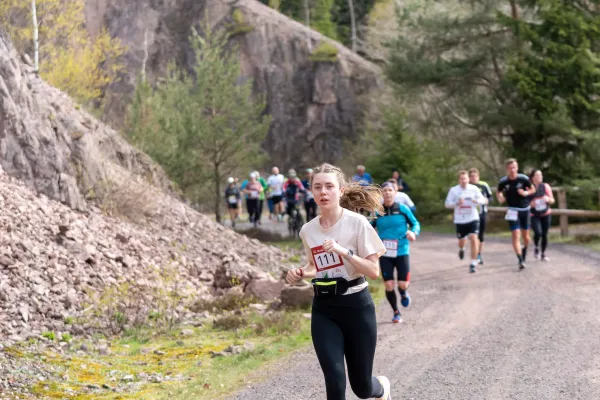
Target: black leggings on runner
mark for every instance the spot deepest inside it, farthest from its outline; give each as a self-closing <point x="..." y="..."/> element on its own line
<point x="252" y="205"/>
<point x="346" y="326"/>
<point x="540" y="227"/>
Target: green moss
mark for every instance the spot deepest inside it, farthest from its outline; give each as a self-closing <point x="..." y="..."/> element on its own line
<point x="239" y="25"/>
<point x="324" y="52"/>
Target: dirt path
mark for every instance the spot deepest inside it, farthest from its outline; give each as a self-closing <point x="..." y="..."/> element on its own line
<point x="497" y="334"/>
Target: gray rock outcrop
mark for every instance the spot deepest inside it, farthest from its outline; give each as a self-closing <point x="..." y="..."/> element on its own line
<point x="315" y="105"/>
<point x="56" y="148"/>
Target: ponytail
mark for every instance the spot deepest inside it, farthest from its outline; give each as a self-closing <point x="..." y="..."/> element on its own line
<point x="356" y="198"/>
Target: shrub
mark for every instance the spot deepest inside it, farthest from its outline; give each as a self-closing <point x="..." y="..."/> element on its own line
<point x="127" y="199"/>
<point x="226" y="302"/>
<point x="230" y="322"/>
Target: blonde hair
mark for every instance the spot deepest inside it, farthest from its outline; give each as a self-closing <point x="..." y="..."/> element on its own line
<point x="462" y="172"/>
<point x="356" y="197"/>
<point x="473" y="171"/>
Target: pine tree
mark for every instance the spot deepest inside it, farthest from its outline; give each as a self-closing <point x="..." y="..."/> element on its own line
<point x="204" y="126"/>
<point x="555" y="77"/>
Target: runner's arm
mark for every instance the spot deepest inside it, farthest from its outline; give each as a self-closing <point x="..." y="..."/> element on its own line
<point x="415" y="227"/>
<point x="307" y="272"/>
<point x="450" y="200"/>
<point x="480" y="199"/>
<point x="500" y="194"/>
<point x="549" y="194"/>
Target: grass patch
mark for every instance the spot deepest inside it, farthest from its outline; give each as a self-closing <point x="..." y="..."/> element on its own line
<point x="141" y="364"/>
<point x="324" y="52"/>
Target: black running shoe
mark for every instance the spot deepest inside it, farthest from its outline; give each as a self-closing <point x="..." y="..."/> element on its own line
<point x="461" y="253"/>
<point x="522" y="265"/>
<point x="524" y="253"/>
<point x="472" y="268"/>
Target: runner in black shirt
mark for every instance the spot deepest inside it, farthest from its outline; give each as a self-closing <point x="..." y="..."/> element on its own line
<point x="514" y="189"/>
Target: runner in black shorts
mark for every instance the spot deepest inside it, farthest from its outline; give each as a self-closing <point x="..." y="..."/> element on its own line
<point x="515" y="189"/>
<point x="464" y="199"/>
<point x="485" y="190"/>
<point x="392" y="228"/>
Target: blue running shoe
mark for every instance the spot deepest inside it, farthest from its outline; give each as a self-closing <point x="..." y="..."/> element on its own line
<point x="397" y="318"/>
<point x="405" y="301"/>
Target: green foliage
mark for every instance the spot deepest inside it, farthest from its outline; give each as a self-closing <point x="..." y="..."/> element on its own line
<point x="324" y="52"/>
<point x="239" y="25"/>
<point x="554" y="75"/>
<point x="70" y="58"/>
<point x="226" y="302"/>
<point x="495" y="82"/>
<point x="321" y="20"/>
<point x="49" y="335"/>
<point x="340" y="15"/>
<point x="204" y="126"/>
<point x="428" y="166"/>
<point x="230" y="322"/>
<point x="66" y="337"/>
<point x="329" y="17"/>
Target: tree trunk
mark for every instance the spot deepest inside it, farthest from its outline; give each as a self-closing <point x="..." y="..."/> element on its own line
<point x="145" y="60"/>
<point x="36" y="56"/>
<point x="217" y="178"/>
<point x="307" y="18"/>
<point x="353" y="24"/>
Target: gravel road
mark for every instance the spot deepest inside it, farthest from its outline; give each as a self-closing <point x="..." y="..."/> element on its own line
<point x="497" y="334"/>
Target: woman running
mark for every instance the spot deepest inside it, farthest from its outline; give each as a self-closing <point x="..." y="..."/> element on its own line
<point x="343" y="248"/>
<point x="541" y="214"/>
<point x="253" y="190"/>
<point x="392" y="227"/>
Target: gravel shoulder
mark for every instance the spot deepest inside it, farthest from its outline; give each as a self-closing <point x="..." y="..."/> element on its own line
<point x="498" y="334"/>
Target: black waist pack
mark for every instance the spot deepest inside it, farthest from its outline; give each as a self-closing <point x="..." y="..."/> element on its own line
<point x="334" y="286"/>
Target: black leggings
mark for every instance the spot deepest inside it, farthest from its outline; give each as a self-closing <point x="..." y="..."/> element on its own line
<point x="540" y="227"/>
<point x="346" y="326"/>
<point x="252" y="205"/>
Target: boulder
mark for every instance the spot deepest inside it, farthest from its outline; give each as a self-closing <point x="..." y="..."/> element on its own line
<point x="297" y="295"/>
<point x="267" y="289"/>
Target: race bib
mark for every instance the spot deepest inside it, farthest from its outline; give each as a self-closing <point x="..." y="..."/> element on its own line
<point x="232" y="199"/>
<point x="540" y="205"/>
<point x="254" y="194"/>
<point x="464" y="211"/>
<point x="511" y="215"/>
<point x="325" y="261"/>
<point x="391" y="248"/>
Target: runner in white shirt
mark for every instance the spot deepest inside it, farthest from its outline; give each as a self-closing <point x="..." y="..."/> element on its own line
<point x="342" y="248"/>
<point x="464" y="199"/>
<point x="275" y="183"/>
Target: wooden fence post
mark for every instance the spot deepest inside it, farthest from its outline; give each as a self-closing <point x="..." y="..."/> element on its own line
<point x="564" y="220"/>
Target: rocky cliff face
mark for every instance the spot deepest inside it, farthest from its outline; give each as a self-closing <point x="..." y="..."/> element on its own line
<point x="53" y="146"/>
<point x="314" y="105"/>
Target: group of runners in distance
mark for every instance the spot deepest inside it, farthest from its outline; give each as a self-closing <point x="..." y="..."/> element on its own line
<point x="528" y="201"/>
<point x="344" y="247"/>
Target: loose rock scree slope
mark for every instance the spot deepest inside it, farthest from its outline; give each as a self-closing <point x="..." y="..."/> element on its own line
<point x="54" y="261"/>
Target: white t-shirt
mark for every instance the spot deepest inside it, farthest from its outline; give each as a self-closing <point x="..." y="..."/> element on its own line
<point x="402" y="198"/>
<point x="275" y="182"/>
<point x="352" y="231"/>
<point x="467" y="212"/>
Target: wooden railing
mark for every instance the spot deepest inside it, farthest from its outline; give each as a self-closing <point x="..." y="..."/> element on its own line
<point x="562" y="211"/>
